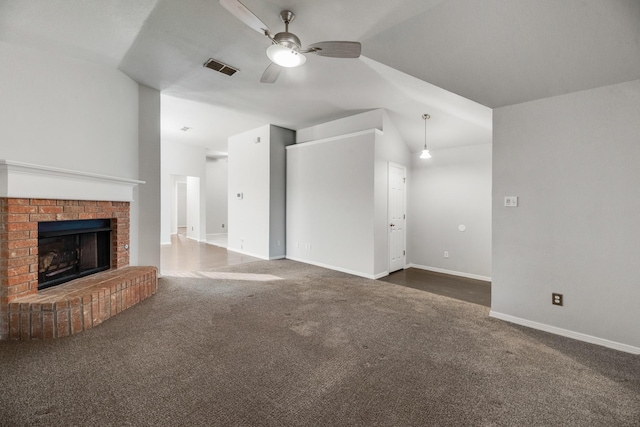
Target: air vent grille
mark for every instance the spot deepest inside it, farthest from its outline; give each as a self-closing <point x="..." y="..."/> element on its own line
<point x="220" y="67"/>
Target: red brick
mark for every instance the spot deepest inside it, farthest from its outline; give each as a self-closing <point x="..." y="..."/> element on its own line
<point x="26" y="243"/>
<point x="86" y="216"/>
<point x="21" y="224"/>
<point x="95" y="312"/>
<point x="66" y="216"/>
<point x="21" y="209"/>
<point x="17" y="271"/>
<point x="25" y="325"/>
<point x="19" y="261"/>
<point x="86" y="313"/>
<point x="14" y="326"/>
<point x="67" y="202"/>
<point x="50" y="209"/>
<point x="48" y="325"/>
<point x="10" y="218"/>
<point x="61" y="305"/>
<point x="87" y="202"/>
<point x="42" y="217"/>
<point x="21" y="279"/>
<point x="13" y="201"/>
<point x="17" y="235"/>
<point x="18" y="253"/>
<point x="36" y="324"/>
<point x="62" y="323"/>
<point x="76" y="320"/>
<point x="73" y="209"/>
<point x="42" y="202"/>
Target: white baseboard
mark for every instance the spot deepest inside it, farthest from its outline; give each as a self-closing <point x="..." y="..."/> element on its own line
<point x="248" y="253"/>
<point x="165" y="243"/>
<point x="566" y="333"/>
<point x="451" y="272"/>
<point x="342" y="270"/>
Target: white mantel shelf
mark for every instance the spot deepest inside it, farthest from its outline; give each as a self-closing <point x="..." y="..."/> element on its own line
<point x="26" y="180"/>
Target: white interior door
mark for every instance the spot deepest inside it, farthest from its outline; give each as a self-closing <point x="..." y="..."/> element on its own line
<point x="397" y="218"/>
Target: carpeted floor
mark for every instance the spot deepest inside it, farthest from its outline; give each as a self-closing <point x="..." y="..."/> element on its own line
<point x="281" y="343"/>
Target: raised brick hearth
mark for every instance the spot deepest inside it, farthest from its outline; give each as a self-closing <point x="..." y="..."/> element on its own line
<point x="81" y="304"/>
<point x="19" y="219"/>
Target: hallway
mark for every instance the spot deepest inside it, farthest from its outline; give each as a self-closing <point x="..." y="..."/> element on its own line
<point x="188" y="255"/>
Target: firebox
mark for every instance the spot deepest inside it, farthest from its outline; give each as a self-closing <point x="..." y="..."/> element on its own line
<point x="71" y="249"/>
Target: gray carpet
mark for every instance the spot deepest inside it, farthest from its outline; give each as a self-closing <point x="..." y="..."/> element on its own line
<point x="315" y="348"/>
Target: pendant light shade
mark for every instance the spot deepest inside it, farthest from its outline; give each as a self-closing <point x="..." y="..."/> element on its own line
<point x="425" y="153"/>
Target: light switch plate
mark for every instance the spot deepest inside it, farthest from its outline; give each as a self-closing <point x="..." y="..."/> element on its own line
<point x="511" y="201"/>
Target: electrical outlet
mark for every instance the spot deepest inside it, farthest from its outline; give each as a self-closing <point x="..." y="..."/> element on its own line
<point x="556" y="299"/>
<point x="446" y="254"/>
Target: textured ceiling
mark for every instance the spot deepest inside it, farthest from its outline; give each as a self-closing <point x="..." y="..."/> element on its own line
<point x="490" y="53"/>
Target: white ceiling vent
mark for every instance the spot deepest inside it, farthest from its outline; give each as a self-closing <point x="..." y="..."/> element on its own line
<point x="220" y="67"/>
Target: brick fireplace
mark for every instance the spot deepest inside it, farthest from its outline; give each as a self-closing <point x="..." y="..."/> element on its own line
<point x="32" y="194"/>
<point x="19" y="237"/>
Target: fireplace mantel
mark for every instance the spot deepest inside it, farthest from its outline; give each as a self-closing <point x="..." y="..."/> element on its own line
<point x="26" y="180"/>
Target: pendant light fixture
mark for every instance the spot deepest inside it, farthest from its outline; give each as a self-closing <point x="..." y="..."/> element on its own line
<point x="425" y="153"/>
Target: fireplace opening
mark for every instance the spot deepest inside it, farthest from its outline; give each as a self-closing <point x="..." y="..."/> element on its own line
<point x="68" y="250"/>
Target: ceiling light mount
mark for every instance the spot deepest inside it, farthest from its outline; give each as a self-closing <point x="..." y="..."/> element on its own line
<point x="425" y="152"/>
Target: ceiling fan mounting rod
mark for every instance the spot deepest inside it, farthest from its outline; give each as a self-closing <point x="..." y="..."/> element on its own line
<point x="287" y="17"/>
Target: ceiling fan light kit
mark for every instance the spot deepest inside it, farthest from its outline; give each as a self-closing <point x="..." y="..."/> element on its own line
<point x="284" y="56"/>
<point x="285" y="50"/>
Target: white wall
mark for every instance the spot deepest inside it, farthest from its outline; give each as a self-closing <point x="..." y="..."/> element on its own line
<point x="451" y="188"/>
<point x="67" y="113"/>
<point x="193" y="208"/>
<point x="181" y="204"/>
<point x="181" y="160"/>
<point x="573" y="162"/>
<point x="257" y="170"/>
<point x="330" y="202"/>
<point x="77" y="115"/>
<point x="249" y="174"/>
<point x="368" y="120"/>
<point x="148" y="194"/>
<point x="217" y="195"/>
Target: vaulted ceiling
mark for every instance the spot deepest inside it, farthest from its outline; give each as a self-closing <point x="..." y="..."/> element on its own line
<point x="453" y="59"/>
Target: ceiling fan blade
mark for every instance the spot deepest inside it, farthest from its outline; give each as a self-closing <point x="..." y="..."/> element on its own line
<point x="271" y="74"/>
<point x="241" y="12"/>
<point x="336" y="49"/>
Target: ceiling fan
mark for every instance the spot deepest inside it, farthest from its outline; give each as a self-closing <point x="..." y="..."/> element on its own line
<point x="286" y="49"/>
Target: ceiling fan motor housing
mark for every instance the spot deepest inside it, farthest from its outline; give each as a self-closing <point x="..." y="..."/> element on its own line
<point x="287" y="39"/>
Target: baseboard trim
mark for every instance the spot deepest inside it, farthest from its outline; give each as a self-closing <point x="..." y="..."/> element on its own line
<point x="248" y="253"/>
<point x="165" y="243"/>
<point x="451" y="272"/>
<point x="566" y="333"/>
<point x="333" y="267"/>
<point x="277" y="257"/>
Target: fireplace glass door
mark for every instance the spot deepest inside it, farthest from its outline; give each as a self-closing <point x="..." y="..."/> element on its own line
<point x="72" y="249"/>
